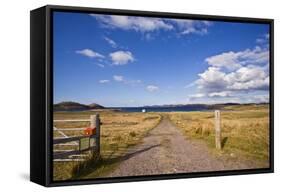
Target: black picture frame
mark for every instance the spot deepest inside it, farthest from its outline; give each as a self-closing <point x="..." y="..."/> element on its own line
<point x="41" y="100"/>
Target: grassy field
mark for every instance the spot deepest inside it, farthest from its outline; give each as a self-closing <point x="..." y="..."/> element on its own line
<point x="119" y="131"/>
<point x="245" y="130"/>
<point x="245" y="135"/>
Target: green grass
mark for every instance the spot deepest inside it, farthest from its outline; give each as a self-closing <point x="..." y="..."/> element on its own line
<point x="92" y="169"/>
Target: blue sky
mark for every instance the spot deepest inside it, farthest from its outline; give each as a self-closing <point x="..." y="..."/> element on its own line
<point x="135" y="61"/>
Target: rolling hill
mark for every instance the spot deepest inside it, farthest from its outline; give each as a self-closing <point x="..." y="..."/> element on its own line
<point x="73" y="106"/>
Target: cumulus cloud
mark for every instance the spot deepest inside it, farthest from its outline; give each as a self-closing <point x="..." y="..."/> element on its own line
<point x="118" y="78"/>
<point x="104" y="81"/>
<point x="211" y="80"/>
<point x="121" y="57"/>
<point x="255" y="84"/>
<point x="152" y="88"/>
<point x="246" y="74"/>
<point x="111" y="42"/>
<point x="89" y="53"/>
<point x="228" y="60"/>
<point x="231" y="76"/>
<point x="233" y="60"/>
<point x="245" y="78"/>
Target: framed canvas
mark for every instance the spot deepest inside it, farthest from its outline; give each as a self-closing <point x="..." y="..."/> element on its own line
<point x="125" y="95"/>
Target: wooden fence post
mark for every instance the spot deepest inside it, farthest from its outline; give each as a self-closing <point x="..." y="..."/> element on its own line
<point x="218" y="128"/>
<point x="95" y="122"/>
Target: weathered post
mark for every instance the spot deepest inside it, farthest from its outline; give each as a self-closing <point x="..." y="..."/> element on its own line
<point x="95" y="123"/>
<point x="218" y="128"/>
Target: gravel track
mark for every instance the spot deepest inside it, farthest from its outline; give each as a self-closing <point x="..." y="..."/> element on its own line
<point x="164" y="151"/>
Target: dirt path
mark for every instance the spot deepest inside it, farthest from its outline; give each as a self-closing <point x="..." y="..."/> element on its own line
<point x="165" y="150"/>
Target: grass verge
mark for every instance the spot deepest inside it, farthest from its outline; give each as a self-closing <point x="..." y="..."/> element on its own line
<point x="245" y="130"/>
<point x="119" y="131"/>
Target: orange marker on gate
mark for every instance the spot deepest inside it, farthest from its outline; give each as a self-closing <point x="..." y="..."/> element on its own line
<point x="90" y="131"/>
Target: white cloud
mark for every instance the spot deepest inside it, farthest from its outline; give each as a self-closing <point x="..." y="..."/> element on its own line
<point x="234" y="76"/>
<point x="228" y="60"/>
<point x="104" y="81"/>
<point x="118" y="78"/>
<point x="263" y="40"/>
<point x="89" y="53"/>
<point x="100" y="65"/>
<point x="234" y="60"/>
<point x="121" y="57"/>
<point x="111" y="42"/>
<point x="152" y="88"/>
<point x="211" y="80"/>
<point x="143" y="24"/>
<point x="191" y="30"/>
<point x="245" y="74"/>
<point x="220" y="94"/>
<point x="187" y="27"/>
<point x="258" y="84"/>
<point x="146" y="24"/>
<point x="245" y="78"/>
<point x="197" y="95"/>
<point x="122" y="79"/>
<point x="195" y="98"/>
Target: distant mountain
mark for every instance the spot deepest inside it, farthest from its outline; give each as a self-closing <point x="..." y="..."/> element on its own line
<point x="205" y="106"/>
<point x="73" y="106"/>
<point x="96" y="106"/>
<point x="69" y="105"/>
<point x="177" y="105"/>
<point x="222" y="105"/>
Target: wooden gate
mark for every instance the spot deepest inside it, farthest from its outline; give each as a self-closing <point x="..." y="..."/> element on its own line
<point x="83" y="146"/>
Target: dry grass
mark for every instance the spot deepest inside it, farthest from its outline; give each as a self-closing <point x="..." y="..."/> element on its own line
<point x="245" y="130"/>
<point x="119" y="131"/>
